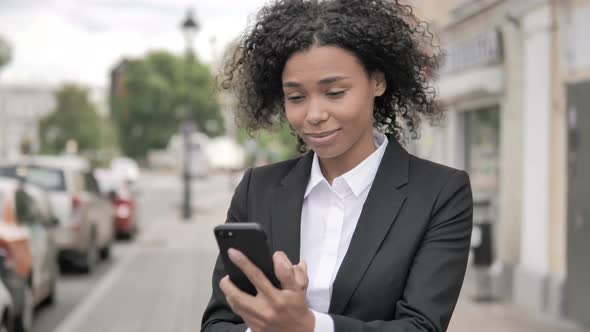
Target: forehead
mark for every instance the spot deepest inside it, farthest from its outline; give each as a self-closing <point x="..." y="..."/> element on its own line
<point x="321" y="61"/>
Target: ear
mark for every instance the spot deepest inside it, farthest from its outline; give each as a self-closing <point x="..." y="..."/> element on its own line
<point x="379" y="83"/>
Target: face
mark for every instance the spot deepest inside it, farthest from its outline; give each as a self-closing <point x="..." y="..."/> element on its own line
<point x="329" y="99"/>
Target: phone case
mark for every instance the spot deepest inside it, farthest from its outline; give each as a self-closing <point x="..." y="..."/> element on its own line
<point x="250" y="239"/>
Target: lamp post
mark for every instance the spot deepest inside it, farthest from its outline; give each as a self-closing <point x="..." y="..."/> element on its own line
<point x="189" y="28"/>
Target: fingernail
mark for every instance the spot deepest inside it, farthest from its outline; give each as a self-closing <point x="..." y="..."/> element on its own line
<point x="234" y="255"/>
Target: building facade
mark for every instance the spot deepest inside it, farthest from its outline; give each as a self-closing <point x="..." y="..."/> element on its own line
<point x="21" y="107"/>
<point x="516" y="84"/>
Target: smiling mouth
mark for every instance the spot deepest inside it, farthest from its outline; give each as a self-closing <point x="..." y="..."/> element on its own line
<point x="322" y="134"/>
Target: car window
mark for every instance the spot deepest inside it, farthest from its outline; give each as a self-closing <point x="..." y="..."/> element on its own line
<point x="47" y="178"/>
<point x="90" y="183"/>
<point x="27" y="211"/>
<point x="8" y="171"/>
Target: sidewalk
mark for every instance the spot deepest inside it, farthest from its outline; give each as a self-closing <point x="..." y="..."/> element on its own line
<point x="499" y="316"/>
<point x="164" y="285"/>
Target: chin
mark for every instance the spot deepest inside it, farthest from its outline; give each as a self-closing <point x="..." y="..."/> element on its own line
<point x="327" y="152"/>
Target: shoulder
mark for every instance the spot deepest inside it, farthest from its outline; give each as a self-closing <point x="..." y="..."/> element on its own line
<point x="274" y="173"/>
<point x="433" y="179"/>
<point x="429" y="170"/>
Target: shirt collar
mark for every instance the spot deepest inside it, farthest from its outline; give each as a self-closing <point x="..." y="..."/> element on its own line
<point x="358" y="178"/>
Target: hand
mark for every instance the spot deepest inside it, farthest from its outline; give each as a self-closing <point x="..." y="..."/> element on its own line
<point x="271" y="309"/>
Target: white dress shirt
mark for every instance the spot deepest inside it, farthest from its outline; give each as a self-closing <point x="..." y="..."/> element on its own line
<point x="328" y="220"/>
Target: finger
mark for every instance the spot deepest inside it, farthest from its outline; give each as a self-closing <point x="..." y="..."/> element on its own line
<point x="230" y="290"/>
<point x="301" y="275"/>
<point x="243" y="304"/>
<point x="252" y="272"/>
<point x="284" y="270"/>
<point x="239" y="301"/>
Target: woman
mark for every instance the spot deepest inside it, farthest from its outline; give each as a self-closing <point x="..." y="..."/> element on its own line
<point x="366" y="236"/>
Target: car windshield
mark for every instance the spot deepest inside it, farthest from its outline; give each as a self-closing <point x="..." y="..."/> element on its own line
<point x="8" y="171"/>
<point x="44" y="177"/>
<point x="108" y="184"/>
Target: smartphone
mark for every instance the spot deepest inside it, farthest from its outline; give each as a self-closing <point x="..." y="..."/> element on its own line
<point x="250" y="239"/>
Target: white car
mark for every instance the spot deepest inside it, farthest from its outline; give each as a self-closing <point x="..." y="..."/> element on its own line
<point x="126" y="168"/>
<point x="85" y="228"/>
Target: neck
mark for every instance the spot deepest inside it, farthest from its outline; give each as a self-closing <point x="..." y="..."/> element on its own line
<point x="336" y="166"/>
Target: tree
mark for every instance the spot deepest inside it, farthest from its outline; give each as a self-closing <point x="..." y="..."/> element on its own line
<point x="160" y="90"/>
<point x="74" y="118"/>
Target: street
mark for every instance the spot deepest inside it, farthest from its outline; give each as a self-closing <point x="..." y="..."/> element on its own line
<point x="160" y="281"/>
<point x="121" y="285"/>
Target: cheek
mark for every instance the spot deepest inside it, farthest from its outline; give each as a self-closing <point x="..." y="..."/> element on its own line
<point x="294" y="117"/>
<point x="357" y="111"/>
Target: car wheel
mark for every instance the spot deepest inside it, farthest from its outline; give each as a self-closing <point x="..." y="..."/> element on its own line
<point x="90" y="257"/>
<point x="105" y="253"/>
<point x="5" y="325"/>
<point x="24" y="320"/>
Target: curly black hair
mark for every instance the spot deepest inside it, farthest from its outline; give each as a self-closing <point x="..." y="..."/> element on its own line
<point x="385" y="36"/>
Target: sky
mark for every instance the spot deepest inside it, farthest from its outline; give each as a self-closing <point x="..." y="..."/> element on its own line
<point x="56" y="41"/>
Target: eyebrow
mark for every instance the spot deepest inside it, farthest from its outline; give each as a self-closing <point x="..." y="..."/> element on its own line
<point x="325" y="81"/>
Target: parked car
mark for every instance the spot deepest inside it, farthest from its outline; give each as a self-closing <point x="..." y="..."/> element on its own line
<point x="29" y="253"/>
<point x="122" y="197"/>
<point x="85" y="229"/>
<point x="6" y="308"/>
<point x="127" y="168"/>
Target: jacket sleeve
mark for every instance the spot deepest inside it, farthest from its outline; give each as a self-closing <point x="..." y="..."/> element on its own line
<point x="218" y="315"/>
<point x="438" y="269"/>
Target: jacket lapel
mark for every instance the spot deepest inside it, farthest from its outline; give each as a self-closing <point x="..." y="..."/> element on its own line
<point x="379" y="212"/>
<point x="287" y="203"/>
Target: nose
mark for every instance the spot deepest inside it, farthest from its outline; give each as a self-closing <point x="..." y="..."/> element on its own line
<point x="316" y="112"/>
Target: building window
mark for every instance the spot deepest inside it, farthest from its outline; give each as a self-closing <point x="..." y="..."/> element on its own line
<point x="482" y="150"/>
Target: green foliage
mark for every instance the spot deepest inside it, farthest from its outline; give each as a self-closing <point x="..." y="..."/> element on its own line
<point x="159" y="91"/>
<point x="74" y="118"/>
<point x="271" y="146"/>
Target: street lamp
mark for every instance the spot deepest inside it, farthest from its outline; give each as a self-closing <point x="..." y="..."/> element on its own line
<point x="189" y="27"/>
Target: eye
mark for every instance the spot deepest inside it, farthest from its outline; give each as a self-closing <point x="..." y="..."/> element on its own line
<point x="295" y="99"/>
<point x="336" y="94"/>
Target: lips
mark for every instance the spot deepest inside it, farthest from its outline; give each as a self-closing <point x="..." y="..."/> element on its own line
<point x="322" y="138"/>
<point x="322" y="134"/>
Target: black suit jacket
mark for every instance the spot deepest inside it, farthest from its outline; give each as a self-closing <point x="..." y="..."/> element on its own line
<point x="407" y="258"/>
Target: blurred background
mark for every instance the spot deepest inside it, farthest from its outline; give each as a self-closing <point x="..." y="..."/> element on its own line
<point x="118" y="157"/>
